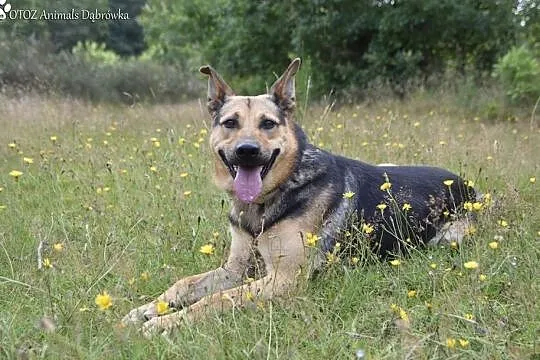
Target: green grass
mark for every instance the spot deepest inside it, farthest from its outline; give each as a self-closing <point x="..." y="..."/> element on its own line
<point x="146" y="222"/>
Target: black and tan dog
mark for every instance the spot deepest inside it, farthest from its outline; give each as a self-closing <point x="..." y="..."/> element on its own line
<point x="284" y="190"/>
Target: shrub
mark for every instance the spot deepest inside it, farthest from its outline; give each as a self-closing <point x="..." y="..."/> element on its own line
<point x="94" y="52"/>
<point x="93" y="73"/>
<point x="519" y="74"/>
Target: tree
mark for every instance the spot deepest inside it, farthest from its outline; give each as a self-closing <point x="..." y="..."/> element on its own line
<point x="126" y="37"/>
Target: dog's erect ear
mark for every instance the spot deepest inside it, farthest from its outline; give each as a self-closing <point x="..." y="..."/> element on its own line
<point x="283" y="89"/>
<point x="218" y="89"/>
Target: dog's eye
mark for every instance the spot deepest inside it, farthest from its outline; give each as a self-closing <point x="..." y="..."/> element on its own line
<point x="268" y="124"/>
<point x="230" y="123"/>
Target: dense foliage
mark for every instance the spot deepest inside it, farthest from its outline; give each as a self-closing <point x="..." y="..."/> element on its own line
<point x="347" y="44"/>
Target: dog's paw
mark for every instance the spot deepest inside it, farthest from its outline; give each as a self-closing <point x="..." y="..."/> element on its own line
<point x="162" y="325"/>
<point x="141" y="314"/>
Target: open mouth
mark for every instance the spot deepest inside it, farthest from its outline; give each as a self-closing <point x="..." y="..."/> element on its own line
<point x="247" y="184"/>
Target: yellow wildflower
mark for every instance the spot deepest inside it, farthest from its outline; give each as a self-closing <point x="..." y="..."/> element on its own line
<point x="451" y="343"/>
<point x="433" y="265"/>
<point x="411" y="293"/>
<point x="494" y="245"/>
<point x="53" y="138"/>
<point x="381" y="207"/>
<point x="145" y="276"/>
<point x="12" y="145"/>
<point x="331" y="258"/>
<point x="467" y="205"/>
<point x="463" y="343"/>
<point x="187" y="193"/>
<point x="367" y="228"/>
<point x="406" y="207"/>
<point x="482" y="277"/>
<point x="58" y="247"/>
<point x="386" y="186"/>
<point x="162" y="307"/>
<point x="153" y="168"/>
<point x="103" y="301"/>
<point x="403" y="314"/>
<point x="470" y="265"/>
<point x="354" y="260"/>
<point x="503" y="223"/>
<point x="47" y="263"/>
<point x="207" y="249"/>
<point x="28" y="160"/>
<point x="469" y="316"/>
<point x="477" y="206"/>
<point x="311" y="239"/>
<point x="184" y="174"/>
<point x="400" y="311"/>
<point x="215" y="234"/>
<point x="532" y="179"/>
<point x="395" y="262"/>
<point x="469" y="183"/>
<point x="348" y="194"/>
<point x="16" y="174"/>
<point x="448" y="182"/>
<point x="454" y="245"/>
<point x="471" y="230"/>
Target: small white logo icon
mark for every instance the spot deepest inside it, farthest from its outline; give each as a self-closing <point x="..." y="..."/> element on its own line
<point x="4" y="9"/>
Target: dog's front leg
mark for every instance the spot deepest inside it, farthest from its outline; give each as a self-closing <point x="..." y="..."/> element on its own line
<point x="191" y="289"/>
<point x="284" y="255"/>
<point x="241" y="296"/>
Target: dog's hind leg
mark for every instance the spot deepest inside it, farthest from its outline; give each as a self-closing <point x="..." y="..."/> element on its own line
<point x="192" y="288"/>
<point x="451" y="231"/>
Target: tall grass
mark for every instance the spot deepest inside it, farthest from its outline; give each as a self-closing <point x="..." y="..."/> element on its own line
<point x="120" y="200"/>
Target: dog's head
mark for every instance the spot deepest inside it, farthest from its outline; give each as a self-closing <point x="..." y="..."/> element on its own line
<point x="253" y="137"/>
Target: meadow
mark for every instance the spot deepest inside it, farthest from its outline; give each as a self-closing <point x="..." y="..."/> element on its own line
<point x="101" y="198"/>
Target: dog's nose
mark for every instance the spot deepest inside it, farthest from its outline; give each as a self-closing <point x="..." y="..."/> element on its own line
<point x="247" y="151"/>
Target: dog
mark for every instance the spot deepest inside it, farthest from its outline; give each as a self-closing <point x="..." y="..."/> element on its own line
<point x="294" y="204"/>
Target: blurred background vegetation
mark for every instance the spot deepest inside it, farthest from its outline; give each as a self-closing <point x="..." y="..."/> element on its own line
<point x="352" y="49"/>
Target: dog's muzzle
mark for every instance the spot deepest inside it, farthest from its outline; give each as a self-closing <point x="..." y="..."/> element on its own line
<point x="248" y="168"/>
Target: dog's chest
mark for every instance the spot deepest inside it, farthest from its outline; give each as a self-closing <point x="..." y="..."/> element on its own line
<point x="250" y="218"/>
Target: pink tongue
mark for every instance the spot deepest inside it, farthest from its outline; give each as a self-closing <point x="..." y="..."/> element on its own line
<point x="248" y="183"/>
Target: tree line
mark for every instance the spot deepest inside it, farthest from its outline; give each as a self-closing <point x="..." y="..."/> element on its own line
<point x="346" y="44"/>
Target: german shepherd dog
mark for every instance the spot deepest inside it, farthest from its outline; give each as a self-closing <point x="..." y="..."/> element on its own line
<point x="293" y="202"/>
